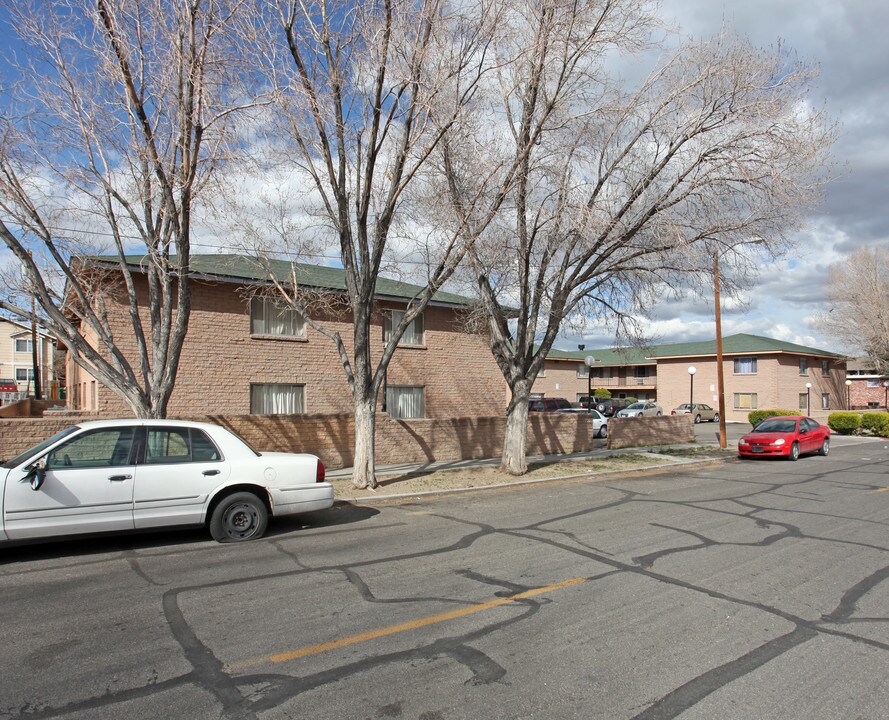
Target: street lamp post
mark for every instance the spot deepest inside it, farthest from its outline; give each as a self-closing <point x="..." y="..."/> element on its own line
<point x="808" y="406"/>
<point x="886" y="394"/>
<point x="848" y="394"/>
<point x="691" y="391"/>
<point x="588" y="361"/>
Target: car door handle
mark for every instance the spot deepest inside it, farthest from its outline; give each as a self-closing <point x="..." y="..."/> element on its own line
<point x="211" y="472"/>
<point x="120" y="478"/>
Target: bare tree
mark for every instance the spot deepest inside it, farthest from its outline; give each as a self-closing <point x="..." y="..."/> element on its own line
<point x="858" y="304"/>
<point x="119" y="117"/>
<point x="631" y="192"/>
<point x="367" y="93"/>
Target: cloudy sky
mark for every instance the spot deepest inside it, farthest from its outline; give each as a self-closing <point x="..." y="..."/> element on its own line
<point x="847" y="39"/>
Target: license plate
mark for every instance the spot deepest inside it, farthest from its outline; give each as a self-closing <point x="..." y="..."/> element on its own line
<point x="756" y="449"/>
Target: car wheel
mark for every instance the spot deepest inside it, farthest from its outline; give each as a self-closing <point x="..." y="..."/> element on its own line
<point x="715" y="418"/>
<point x="697" y="419"/>
<point x="825" y="447"/>
<point x="794" y="452"/>
<point x="658" y="414"/>
<point x="240" y="516"/>
<point x="603" y="431"/>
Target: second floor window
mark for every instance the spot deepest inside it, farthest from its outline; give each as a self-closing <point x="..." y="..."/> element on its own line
<point x="745" y="366"/>
<point x="22" y="346"/>
<point x="825" y="368"/>
<point x="267" y="318"/>
<point x="803" y="366"/>
<point x="24" y="374"/>
<point x="413" y="335"/>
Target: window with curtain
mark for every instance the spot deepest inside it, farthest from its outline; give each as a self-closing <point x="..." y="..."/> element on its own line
<point x="277" y="399"/>
<point x="582" y="370"/>
<point x="745" y="366"/>
<point x="413" y="334"/>
<point x="803" y="366"/>
<point x="24" y="374"/>
<point x="803" y="401"/>
<point x="405" y="402"/>
<point x="825" y="368"/>
<point x="267" y="318"/>
<point x="745" y="401"/>
<point x="825" y="401"/>
<point x="22" y="346"/>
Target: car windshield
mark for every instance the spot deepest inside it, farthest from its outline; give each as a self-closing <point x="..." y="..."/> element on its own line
<point x="636" y="406"/>
<point x="16" y="461"/>
<point x="775" y="426"/>
<point x="686" y="406"/>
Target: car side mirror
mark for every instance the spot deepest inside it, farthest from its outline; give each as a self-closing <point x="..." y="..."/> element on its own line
<point x="37" y="473"/>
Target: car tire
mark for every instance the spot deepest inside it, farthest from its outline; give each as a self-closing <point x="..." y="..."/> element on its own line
<point x="238" y="517"/>
<point x="825" y="447"/>
<point x="715" y="418"/>
<point x="603" y="432"/>
<point x="794" y="452"/>
<point x="657" y="414"/>
<point x="697" y="419"/>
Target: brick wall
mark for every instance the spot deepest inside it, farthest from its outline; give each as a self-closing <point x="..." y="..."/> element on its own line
<point x="863" y="396"/>
<point x="220" y="360"/>
<point x="664" y="430"/>
<point x="331" y="437"/>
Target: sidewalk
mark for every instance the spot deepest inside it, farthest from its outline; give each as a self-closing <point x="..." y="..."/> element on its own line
<point x="405" y="480"/>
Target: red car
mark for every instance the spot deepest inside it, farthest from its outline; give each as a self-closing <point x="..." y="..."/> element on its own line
<point x="789" y="436"/>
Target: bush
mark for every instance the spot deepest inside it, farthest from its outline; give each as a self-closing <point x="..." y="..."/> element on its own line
<point x="845" y="423"/>
<point x="755" y="417"/>
<point x="602" y="393"/>
<point x="876" y="423"/>
<point x="631" y="400"/>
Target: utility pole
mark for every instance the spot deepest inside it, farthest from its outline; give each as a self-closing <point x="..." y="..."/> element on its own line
<point x="720" y="380"/>
<point x="34" y="361"/>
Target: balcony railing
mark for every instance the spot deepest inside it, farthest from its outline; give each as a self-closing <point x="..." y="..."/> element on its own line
<point x="647" y="381"/>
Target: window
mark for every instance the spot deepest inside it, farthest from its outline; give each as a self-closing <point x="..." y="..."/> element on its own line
<point x="605" y="373"/>
<point x="178" y="445"/>
<point x="24" y="374"/>
<point x="267" y="318"/>
<point x="405" y="402"/>
<point x="873" y="383"/>
<point x="745" y="366"/>
<point x="825" y="368"/>
<point x="804" y="366"/>
<point x="24" y="346"/>
<point x="825" y="401"/>
<point x="100" y="448"/>
<point x="745" y="401"/>
<point x="413" y="334"/>
<point x="277" y="399"/>
<point x="803" y="401"/>
<point x="582" y="370"/>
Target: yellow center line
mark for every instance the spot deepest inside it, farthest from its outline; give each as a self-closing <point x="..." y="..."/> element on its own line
<point x="885" y="489"/>
<point x="403" y="627"/>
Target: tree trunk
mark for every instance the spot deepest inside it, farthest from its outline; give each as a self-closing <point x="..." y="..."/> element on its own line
<point x="513" y="459"/>
<point x="363" y="470"/>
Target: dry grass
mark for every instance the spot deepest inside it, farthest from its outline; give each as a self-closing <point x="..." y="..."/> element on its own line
<point x="425" y="481"/>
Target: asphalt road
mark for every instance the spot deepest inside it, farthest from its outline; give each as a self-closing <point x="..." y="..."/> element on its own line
<point x="742" y="590"/>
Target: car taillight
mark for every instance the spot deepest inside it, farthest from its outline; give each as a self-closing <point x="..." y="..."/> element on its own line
<point x="319" y="476"/>
<point x="672" y="412"/>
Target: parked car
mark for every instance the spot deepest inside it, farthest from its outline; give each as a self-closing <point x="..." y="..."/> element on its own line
<point x="608" y="406"/>
<point x="548" y="404"/>
<point x="788" y="436"/>
<point x="699" y="410"/>
<point x="640" y="409"/>
<point x="119" y="475"/>
<point x="600" y="422"/>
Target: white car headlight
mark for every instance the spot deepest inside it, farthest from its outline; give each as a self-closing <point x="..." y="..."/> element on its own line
<point x="779" y="441"/>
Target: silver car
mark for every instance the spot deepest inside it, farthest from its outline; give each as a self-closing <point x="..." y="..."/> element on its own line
<point x="700" y="411"/>
<point x="600" y="422"/>
<point x="640" y="409"/>
<point x="117" y="475"/>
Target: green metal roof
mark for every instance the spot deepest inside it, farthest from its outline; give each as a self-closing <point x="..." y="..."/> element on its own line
<point x="735" y="345"/>
<point x="605" y="357"/>
<point x="731" y="345"/>
<point x="246" y="269"/>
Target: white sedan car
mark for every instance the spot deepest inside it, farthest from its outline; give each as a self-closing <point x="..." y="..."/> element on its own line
<point x="119" y="475"/>
<point x="640" y="409"/>
<point x="600" y="422"/>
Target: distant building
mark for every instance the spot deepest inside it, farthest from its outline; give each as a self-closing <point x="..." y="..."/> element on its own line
<point x="868" y="388"/>
<point x="759" y="372"/>
<point x="17" y="359"/>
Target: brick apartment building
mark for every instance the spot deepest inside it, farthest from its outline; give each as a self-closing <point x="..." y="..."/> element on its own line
<point x="759" y="372"/>
<point x="243" y="355"/>
<point x="868" y="389"/>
